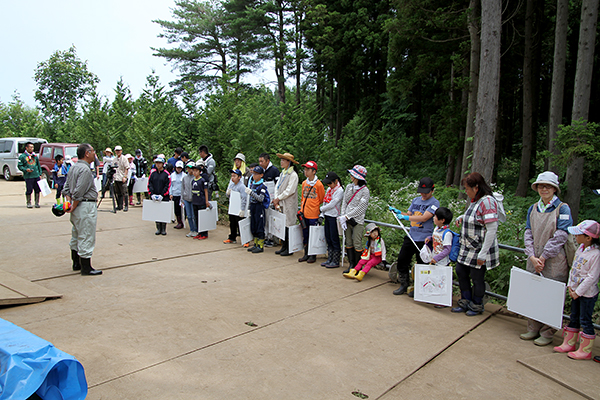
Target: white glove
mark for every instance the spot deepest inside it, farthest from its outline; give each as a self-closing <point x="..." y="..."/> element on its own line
<point x="242" y="214"/>
<point x="228" y="192"/>
<point x="159" y="197"/>
<point x="342" y="221"/>
<point x="154" y="198"/>
<point x="248" y="190"/>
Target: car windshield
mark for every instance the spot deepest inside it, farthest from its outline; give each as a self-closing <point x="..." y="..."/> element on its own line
<point x="71" y="151"/>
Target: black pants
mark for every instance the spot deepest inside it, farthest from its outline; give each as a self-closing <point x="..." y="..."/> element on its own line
<point x="257" y="220"/>
<point x="177" y="206"/>
<point x="465" y="275"/>
<point x="121" y="193"/>
<point x="31" y="185"/>
<point x="332" y="235"/>
<point x="233" y="226"/>
<point x="407" y="251"/>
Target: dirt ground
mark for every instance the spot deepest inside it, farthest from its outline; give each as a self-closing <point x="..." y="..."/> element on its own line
<point x="177" y="318"/>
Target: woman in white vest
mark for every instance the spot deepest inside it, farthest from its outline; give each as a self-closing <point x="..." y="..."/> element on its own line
<point x="286" y="196"/>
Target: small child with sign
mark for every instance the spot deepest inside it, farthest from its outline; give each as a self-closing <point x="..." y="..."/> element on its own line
<point x="441" y="238"/>
<point x="236" y="184"/>
<point x="583" y="289"/>
<point x="199" y="195"/>
<point x="259" y="202"/>
<point x="59" y="177"/>
<point x="373" y="254"/>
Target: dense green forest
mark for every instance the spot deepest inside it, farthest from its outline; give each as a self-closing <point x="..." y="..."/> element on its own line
<point x="391" y="84"/>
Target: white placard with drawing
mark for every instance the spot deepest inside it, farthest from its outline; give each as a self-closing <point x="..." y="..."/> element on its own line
<point x="245" y="232"/>
<point x="98" y="184"/>
<point x="433" y="284"/>
<point x="44" y="187"/>
<point x="276" y="223"/>
<point x="296" y="239"/>
<point x="316" y="240"/>
<point x="536" y="297"/>
<point x="157" y="211"/>
<point x="271" y="189"/>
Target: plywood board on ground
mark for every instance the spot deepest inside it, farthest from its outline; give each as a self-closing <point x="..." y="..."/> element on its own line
<point x="16" y="290"/>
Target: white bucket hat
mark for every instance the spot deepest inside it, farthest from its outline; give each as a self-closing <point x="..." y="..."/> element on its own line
<point x="547" y="177"/>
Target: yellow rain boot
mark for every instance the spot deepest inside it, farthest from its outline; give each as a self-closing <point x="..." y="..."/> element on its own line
<point x="359" y="277"/>
<point x="351" y="274"/>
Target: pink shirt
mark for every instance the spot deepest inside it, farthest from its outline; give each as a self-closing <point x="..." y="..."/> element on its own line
<point x="585" y="272"/>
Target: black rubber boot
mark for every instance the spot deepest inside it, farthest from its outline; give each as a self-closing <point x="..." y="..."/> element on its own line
<point x="158" y="228"/>
<point x="305" y="256"/>
<point x="335" y="260"/>
<point x="329" y="258"/>
<point x="28" y="198"/>
<point x="283" y="248"/>
<point x="403" y="284"/>
<point x="163" y="228"/>
<point x="76" y="261"/>
<point x="37" y="199"/>
<point x="86" y="267"/>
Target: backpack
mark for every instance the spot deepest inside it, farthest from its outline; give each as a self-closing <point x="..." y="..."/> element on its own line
<point x="455" y="244"/>
<point x="570" y="245"/>
<point x="501" y="213"/>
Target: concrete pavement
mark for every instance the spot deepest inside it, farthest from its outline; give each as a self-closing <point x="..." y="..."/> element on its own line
<point x="172" y="317"/>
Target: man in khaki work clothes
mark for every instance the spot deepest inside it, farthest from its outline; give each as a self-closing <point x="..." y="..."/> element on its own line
<point x="122" y="165"/>
<point x="81" y="191"/>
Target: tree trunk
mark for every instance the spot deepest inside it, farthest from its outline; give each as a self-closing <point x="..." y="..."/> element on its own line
<point x="558" y="79"/>
<point x="486" y="120"/>
<point x="475" y="8"/>
<point x="581" y="96"/>
<point x="528" y="101"/>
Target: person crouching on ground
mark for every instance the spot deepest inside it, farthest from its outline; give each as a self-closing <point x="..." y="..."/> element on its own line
<point x="373" y="254"/>
<point x="158" y="189"/>
<point x="259" y="202"/>
<point x="200" y="195"/>
<point x="332" y="204"/>
<point x="420" y="214"/>
<point x="583" y="289"/>
<point x="313" y="194"/>
<point x="236" y="185"/>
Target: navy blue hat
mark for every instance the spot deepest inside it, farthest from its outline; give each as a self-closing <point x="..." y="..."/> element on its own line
<point x="236" y="171"/>
<point x="258" y="169"/>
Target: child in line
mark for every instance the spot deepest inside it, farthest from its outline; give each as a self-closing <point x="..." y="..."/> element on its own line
<point x="332" y="205"/>
<point x="420" y="214"/>
<point x="313" y="194"/>
<point x="441" y="238"/>
<point x="373" y="254"/>
<point x="158" y="189"/>
<point x="583" y="289"/>
<point x="59" y="177"/>
<point x="130" y="178"/>
<point x="186" y="198"/>
<point x="236" y="185"/>
<point x="176" y="184"/>
<point x="199" y="195"/>
<point x="259" y="202"/>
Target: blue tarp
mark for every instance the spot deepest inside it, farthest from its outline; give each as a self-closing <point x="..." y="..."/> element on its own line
<point x="29" y="364"/>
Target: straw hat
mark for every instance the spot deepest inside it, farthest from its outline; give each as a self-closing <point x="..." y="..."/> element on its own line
<point x="287" y="156"/>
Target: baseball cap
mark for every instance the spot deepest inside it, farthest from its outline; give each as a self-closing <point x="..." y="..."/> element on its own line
<point x="330" y="177"/>
<point x="179" y="164"/>
<point x="258" y="170"/>
<point x="310" y="164"/>
<point x="588" y="227"/>
<point x="236" y="171"/>
<point x="191" y="164"/>
<point x="118" y="148"/>
<point x="159" y="159"/>
<point x="426" y="185"/>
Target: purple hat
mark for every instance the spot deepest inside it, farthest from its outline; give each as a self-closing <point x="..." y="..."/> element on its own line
<point x="359" y="172"/>
<point x="588" y="227"/>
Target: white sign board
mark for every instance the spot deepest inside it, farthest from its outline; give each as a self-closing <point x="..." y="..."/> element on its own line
<point x="296" y="238"/>
<point x="207" y="218"/>
<point x="245" y="232"/>
<point x="316" y="240"/>
<point x="44" y="187"/>
<point x="271" y="188"/>
<point x="536" y="297"/>
<point x="433" y="284"/>
<point x="98" y="183"/>
<point x="140" y="185"/>
<point x="235" y="203"/>
<point x="276" y="223"/>
<point x="158" y="211"/>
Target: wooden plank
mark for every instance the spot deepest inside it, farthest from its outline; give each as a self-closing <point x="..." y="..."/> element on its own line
<point x="16" y="290"/>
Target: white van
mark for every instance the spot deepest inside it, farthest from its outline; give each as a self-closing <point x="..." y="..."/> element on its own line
<point x="11" y="149"/>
